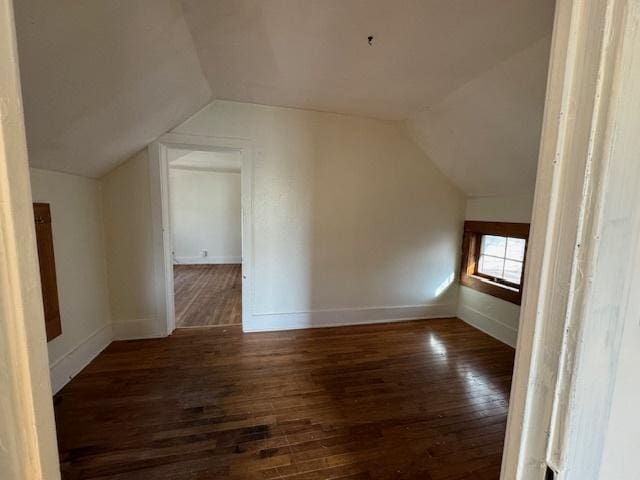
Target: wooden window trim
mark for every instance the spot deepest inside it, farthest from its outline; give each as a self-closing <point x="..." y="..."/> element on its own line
<point x="473" y="232"/>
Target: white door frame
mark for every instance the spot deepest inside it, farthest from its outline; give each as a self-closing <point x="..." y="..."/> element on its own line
<point x="159" y="174"/>
<point x="585" y="216"/>
<point x="27" y="429"/>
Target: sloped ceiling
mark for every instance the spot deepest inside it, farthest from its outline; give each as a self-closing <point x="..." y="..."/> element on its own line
<point x="102" y="79"/>
<point x="485" y="135"/>
<point x="314" y="54"/>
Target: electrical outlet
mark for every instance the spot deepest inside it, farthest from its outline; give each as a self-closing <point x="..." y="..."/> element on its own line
<point x="205" y="253"/>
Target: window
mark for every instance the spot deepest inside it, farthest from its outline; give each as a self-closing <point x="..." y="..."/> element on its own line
<point x="493" y="258"/>
<point x="501" y="259"/>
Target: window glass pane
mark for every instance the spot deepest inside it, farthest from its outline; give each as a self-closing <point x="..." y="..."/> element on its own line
<point x="512" y="271"/>
<point x="515" y="249"/>
<point x="491" y="266"/>
<point x="492" y="245"/>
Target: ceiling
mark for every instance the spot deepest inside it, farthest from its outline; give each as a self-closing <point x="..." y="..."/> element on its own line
<point x="103" y="79"/>
<point x="485" y="135"/>
<point x="315" y="54"/>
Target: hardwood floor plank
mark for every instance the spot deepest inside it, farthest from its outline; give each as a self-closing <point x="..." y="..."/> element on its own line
<point x="424" y="400"/>
<point x="208" y="295"/>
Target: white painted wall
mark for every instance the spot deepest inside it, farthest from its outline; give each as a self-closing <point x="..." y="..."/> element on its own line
<point x="77" y="224"/>
<point x="622" y="442"/>
<point x="128" y="240"/>
<point x="205" y="214"/>
<point x="352" y="223"/>
<point x="493" y="315"/>
<point x="514" y="208"/>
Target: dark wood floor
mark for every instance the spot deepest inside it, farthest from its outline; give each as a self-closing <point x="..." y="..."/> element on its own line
<point x="417" y="400"/>
<point x="207" y="295"/>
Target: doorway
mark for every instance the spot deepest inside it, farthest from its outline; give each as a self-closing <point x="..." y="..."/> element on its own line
<point x="201" y="198"/>
<point x="206" y="236"/>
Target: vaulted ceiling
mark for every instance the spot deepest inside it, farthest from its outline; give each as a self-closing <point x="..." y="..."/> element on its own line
<point x="103" y="79"/>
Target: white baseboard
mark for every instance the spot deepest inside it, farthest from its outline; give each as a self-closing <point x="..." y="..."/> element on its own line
<point x="136" y="329"/>
<point x="206" y="260"/>
<point x="269" y="322"/>
<point x="490" y="326"/>
<point x="72" y="362"/>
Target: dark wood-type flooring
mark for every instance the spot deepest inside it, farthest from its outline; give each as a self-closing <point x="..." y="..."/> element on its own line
<point x="416" y="400"/>
<point x="207" y="295"/>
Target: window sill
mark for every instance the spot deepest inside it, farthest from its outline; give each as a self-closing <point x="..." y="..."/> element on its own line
<point x="492" y="288"/>
<point x="483" y="278"/>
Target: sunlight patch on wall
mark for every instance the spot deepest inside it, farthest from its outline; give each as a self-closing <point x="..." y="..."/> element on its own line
<point x="444" y="286"/>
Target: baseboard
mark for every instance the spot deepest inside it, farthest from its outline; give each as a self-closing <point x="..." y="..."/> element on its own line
<point x="488" y="325"/>
<point x="72" y="362"/>
<point x="206" y="260"/>
<point x="269" y="322"/>
<point x="136" y="329"/>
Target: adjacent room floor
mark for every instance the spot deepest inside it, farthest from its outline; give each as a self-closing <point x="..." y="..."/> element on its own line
<point x="208" y="295"/>
<point x="416" y="400"/>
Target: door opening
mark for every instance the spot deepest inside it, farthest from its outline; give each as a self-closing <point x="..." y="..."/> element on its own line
<point x="206" y="236"/>
<point x="202" y="225"/>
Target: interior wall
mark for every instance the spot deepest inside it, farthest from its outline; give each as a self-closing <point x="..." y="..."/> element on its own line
<point x="77" y="224"/>
<point x="129" y="247"/>
<point x="205" y="215"/>
<point x="490" y="314"/>
<point x="352" y="223"/>
<point x="619" y="456"/>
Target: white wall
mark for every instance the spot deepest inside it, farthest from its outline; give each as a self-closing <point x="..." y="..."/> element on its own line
<point x="515" y="208"/>
<point x="77" y="224"/>
<point x="351" y="222"/>
<point x="619" y="457"/>
<point x="204" y="208"/>
<point x="128" y="238"/>
<point x="493" y="315"/>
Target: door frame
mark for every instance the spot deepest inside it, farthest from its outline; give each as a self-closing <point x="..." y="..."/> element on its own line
<point x="27" y="427"/>
<point x="163" y="259"/>
<point x="573" y="314"/>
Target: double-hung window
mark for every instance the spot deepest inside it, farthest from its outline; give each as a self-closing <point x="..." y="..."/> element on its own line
<point x="493" y="258"/>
